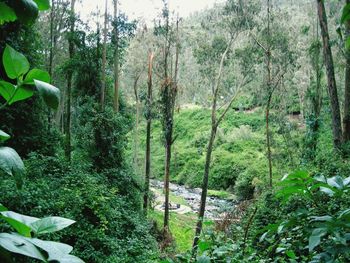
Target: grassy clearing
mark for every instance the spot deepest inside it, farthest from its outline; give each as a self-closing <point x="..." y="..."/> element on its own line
<point x="181" y="227"/>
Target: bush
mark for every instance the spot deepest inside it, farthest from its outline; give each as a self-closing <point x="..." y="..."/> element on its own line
<point x="110" y="226"/>
<point x="244" y="188"/>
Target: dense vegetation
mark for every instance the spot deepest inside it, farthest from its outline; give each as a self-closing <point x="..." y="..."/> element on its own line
<point x="247" y="103"/>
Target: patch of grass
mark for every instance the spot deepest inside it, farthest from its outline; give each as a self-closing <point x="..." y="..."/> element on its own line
<point x="221" y="194"/>
<point x="181" y="226"/>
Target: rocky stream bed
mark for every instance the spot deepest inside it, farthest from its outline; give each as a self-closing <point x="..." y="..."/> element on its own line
<point x="215" y="208"/>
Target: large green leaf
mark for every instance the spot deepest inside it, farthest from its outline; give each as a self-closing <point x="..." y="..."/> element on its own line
<point x="4" y="136"/>
<point x="3" y="208"/>
<point x="21" y="223"/>
<point x="6" y="14"/>
<point x="37" y="74"/>
<point x="15" y="63"/>
<point x="50" y="224"/>
<point x="23" y="92"/>
<point x="55" y="250"/>
<point x="10" y="162"/>
<point x="7" y="90"/>
<point x="26" y="10"/>
<point x="43" y="4"/>
<point x="50" y="93"/>
<point x="315" y="238"/>
<point x="20" y="245"/>
<point x="12" y="93"/>
<point x="336" y="182"/>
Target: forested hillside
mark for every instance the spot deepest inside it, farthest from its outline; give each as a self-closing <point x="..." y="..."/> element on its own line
<point x="220" y="136"/>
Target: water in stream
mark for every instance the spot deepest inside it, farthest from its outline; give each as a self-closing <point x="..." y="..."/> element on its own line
<point x="215" y="207"/>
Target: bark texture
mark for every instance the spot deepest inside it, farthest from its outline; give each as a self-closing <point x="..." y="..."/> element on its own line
<point x="332" y="87"/>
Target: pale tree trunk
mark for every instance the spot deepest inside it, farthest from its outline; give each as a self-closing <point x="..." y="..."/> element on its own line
<point x="68" y="143"/>
<point x="332" y="87"/>
<point x="148" y="134"/>
<point x="52" y="16"/>
<point x="116" y="59"/>
<point x="104" y="58"/>
<point x="136" y="130"/>
<point x="270" y="92"/>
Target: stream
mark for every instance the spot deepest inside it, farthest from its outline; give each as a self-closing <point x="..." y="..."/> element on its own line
<point x="216" y="208"/>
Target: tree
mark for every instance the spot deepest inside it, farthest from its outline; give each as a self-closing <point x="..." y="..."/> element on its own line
<point x="148" y="133"/>
<point x="346" y="118"/>
<point x="67" y="127"/>
<point x="167" y="94"/>
<point x="332" y="87"/>
<point x="116" y="58"/>
<point x="278" y="59"/>
<point x="104" y="58"/>
<point x="234" y="22"/>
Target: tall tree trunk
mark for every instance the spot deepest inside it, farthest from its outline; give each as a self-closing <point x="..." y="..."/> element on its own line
<point x="332" y="87"/>
<point x="104" y="58"/>
<point x="136" y="130"/>
<point x="68" y="144"/>
<point x="148" y="134"/>
<point x="268" y="138"/>
<point x="346" y="118"/>
<point x="116" y="59"/>
<point x="166" y="187"/>
<point x="204" y="187"/>
<point x="270" y="92"/>
<point x="52" y="15"/>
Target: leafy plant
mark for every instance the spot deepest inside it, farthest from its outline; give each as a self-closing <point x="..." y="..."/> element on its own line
<point x="25" y="241"/>
<point x="328" y="234"/>
<point x="24" y="10"/>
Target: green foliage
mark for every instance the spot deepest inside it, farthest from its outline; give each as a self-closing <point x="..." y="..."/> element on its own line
<point x="327" y="228"/>
<point x="6" y="13"/>
<point x="244" y="187"/>
<point x="109" y="224"/>
<point x="25" y="243"/>
<point x="25" y="10"/>
<point x="12" y="164"/>
<point x="16" y="66"/>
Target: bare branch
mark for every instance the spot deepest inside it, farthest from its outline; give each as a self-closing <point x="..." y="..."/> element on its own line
<point x="258" y="42"/>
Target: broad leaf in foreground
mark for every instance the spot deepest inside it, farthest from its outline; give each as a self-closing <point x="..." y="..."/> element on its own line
<point x="50" y="93"/>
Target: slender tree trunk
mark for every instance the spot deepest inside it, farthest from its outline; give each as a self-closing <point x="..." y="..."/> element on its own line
<point x="214" y="125"/>
<point x="166" y="186"/>
<point x="68" y="144"/>
<point x="270" y="93"/>
<point x="116" y="59"/>
<point x="136" y="130"/>
<point x="268" y="138"/>
<point x="346" y="119"/>
<point x="332" y="87"/>
<point x="148" y="134"/>
<point x="104" y="59"/>
<point x="52" y="15"/>
<point x="204" y="187"/>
